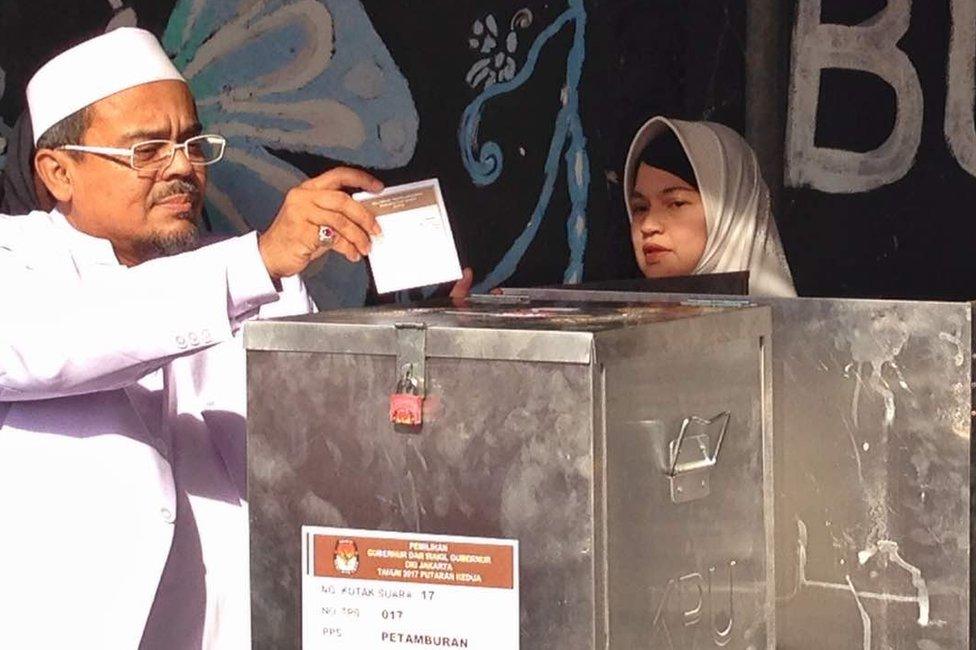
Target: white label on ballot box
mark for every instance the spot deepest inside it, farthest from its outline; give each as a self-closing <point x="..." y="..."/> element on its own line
<point x="366" y="589"/>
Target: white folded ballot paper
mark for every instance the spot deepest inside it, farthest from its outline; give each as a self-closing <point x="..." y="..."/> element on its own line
<point x="416" y="248"/>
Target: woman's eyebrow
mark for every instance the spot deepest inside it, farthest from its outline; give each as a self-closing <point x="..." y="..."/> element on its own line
<point x="635" y="194"/>
<point x="675" y="188"/>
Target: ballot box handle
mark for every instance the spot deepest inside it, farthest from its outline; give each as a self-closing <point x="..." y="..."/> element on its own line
<point x="692" y="457"/>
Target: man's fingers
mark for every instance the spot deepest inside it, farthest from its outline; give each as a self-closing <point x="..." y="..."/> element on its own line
<point x="344" y="204"/>
<point x="346" y="228"/>
<point x="340" y="178"/>
<point x="347" y="250"/>
<point x="340" y="246"/>
<point x="317" y="253"/>
<point x="293" y="239"/>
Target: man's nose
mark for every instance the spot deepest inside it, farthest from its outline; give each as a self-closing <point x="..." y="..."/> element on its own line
<point x="179" y="165"/>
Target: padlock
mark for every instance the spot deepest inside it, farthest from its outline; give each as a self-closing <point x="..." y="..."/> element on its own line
<point x="406" y="404"/>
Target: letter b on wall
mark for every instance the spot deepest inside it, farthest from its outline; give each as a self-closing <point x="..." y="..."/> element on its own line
<point x="871" y="47"/>
<point x="960" y="131"/>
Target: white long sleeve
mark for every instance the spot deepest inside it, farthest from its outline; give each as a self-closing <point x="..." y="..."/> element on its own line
<point x="61" y="334"/>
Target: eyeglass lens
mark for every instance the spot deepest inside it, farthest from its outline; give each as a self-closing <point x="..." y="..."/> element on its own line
<point x="200" y="151"/>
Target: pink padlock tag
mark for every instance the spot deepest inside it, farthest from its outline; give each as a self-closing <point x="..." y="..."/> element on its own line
<point x="406" y="409"/>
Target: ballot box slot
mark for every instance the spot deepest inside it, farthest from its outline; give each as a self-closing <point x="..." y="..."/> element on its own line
<point x="497" y="299"/>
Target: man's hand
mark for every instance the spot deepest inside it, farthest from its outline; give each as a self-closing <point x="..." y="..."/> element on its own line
<point x="292" y="241"/>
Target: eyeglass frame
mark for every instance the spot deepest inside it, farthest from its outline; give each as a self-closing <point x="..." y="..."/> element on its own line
<point x="130" y="152"/>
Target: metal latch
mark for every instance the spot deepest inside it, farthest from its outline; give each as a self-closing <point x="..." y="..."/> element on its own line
<point x="410" y="388"/>
<point x="691" y="459"/>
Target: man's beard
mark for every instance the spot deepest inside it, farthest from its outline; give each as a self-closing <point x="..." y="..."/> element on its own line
<point x="163" y="244"/>
<point x="159" y="244"/>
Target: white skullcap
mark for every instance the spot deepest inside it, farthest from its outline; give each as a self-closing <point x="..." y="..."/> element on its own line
<point x="93" y="70"/>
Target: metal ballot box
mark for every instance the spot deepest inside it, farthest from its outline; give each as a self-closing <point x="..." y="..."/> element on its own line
<point x="873" y="418"/>
<point x="623" y="451"/>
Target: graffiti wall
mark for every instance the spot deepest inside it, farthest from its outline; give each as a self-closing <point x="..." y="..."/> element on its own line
<point x="485" y="97"/>
<point x="880" y="147"/>
<point x="860" y="111"/>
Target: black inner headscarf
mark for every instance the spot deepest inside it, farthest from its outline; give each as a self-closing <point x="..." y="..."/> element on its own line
<point x="17" y="192"/>
<point x="665" y="152"/>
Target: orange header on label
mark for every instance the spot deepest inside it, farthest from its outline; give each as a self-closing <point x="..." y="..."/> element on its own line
<point x="421" y="561"/>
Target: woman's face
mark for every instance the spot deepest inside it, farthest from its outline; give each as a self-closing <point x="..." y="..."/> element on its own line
<point x="668" y="227"/>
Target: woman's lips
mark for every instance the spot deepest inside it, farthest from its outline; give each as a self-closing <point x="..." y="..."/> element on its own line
<point x="654" y="252"/>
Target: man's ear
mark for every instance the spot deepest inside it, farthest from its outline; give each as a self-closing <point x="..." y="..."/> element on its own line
<point x="55" y="169"/>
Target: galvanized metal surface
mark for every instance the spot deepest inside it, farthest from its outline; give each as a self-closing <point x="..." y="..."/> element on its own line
<point x="525" y="449"/>
<point x="874" y="402"/>
<point x="873" y="421"/>
<point x="483" y="329"/>
<point x="687" y="572"/>
<point x="322" y="452"/>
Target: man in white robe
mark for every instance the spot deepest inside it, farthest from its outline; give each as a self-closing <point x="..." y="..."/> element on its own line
<point x="122" y="386"/>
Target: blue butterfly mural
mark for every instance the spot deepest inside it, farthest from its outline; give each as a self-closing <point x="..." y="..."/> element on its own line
<point x="291" y="75"/>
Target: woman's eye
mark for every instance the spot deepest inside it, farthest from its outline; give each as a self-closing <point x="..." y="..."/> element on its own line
<point x="639" y="207"/>
<point x="674" y="205"/>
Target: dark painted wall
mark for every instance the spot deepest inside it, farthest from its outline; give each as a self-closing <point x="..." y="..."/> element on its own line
<point x="560" y="87"/>
<point x="912" y="236"/>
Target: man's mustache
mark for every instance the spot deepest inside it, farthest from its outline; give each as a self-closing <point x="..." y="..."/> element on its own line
<point x="178" y="187"/>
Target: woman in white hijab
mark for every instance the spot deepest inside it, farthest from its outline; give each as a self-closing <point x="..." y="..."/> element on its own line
<point x="697" y="204"/>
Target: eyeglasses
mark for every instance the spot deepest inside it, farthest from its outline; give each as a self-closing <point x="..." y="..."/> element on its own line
<point x="200" y="150"/>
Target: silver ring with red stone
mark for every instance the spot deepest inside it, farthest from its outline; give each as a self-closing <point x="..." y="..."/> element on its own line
<point x="327" y="237"/>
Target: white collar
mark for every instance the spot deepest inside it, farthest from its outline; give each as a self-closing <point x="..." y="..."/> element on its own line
<point x="94" y="250"/>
